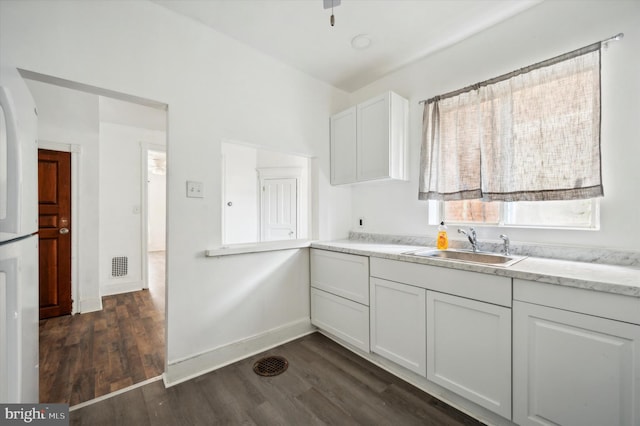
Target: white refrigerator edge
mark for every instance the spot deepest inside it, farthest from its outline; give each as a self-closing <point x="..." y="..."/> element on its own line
<point x="18" y="240"/>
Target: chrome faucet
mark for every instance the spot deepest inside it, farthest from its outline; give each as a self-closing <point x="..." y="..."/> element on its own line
<point x="471" y="235"/>
<point x="505" y="247"/>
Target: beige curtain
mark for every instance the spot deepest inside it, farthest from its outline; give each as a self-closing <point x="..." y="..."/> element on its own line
<point x="528" y="136"/>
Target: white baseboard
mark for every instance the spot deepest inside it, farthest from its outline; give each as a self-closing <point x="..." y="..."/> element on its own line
<point x="189" y="368"/>
<point x="118" y="288"/>
<point x="89" y="305"/>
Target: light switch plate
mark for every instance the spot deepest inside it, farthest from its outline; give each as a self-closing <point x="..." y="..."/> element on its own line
<point x="195" y="189"/>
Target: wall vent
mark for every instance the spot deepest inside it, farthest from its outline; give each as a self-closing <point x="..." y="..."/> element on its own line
<point x="119" y="266"/>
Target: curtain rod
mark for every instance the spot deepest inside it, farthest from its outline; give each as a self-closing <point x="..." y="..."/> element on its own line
<point x="560" y="58"/>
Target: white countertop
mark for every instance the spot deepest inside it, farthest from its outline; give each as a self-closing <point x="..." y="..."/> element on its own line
<point x="623" y="280"/>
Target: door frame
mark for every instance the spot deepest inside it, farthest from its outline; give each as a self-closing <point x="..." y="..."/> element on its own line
<point x="278" y="173"/>
<point x="145" y="147"/>
<point x="75" y="151"/>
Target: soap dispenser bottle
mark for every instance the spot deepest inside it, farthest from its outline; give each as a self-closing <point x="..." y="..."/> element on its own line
<point x="442" y="242"/>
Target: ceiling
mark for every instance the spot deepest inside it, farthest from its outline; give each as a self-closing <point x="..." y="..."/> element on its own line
<point x="298" y="32"/>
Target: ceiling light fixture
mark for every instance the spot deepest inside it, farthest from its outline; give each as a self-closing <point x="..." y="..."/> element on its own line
<point x="330" y="4"/>
<point x="361" y="42"/>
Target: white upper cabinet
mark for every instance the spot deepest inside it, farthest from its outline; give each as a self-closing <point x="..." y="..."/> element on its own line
<point x="343" y="147"/>
<point x="369" y="141"/>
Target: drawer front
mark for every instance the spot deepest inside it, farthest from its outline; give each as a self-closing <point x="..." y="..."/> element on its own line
<point x="346" y="320"/>
<point x="473" y="285"/>
<point x="344" y="275"/>
<point x="606" y="305"/>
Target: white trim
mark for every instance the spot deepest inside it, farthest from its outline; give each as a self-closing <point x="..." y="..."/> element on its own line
<point x="115" y="393"/>
<point x="118" y="288"/>
<point x="90" y="305"/>
<point x="184" y="369"/>
<point x="76" y="249"/>
<point x="145" y="147"/>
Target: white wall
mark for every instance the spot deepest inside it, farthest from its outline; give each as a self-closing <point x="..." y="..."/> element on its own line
<point x="70" y="117"/>
<point x="121" y="159"/>
<point x="216" y="89"/>
<point x="241" y="190"/>
<point x="546" y="30"/>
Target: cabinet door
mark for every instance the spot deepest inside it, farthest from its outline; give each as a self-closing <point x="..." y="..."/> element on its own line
<point x="398" y="323"/>
<point x="346" y="320"/>
<point x="469" y="350"/>
<point x="343" y="147"/>
<point x="345" y="275"/>
<point x="574" y="369"/>
<point x="373" y="138"/>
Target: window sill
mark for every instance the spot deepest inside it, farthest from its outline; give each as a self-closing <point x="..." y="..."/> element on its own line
<point x="234" y="249"/>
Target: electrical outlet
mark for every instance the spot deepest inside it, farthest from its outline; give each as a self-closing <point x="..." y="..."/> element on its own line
<point x="195" y="189"/>
<point x="361" y="222"/>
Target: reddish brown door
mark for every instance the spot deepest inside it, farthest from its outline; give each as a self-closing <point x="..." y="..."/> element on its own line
<point x="54" y="200"/>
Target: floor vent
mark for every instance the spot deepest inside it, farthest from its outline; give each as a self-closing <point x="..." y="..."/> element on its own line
<point x="270" y="366"/>
<point x="119" y="266"/>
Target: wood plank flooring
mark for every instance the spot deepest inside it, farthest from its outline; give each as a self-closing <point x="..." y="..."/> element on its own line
<point x="89" y="355"/>
<point x="324" y="384"/>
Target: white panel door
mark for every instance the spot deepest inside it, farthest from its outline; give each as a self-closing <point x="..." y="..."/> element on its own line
<point x="373" y="138"/>
<point x="469" y="350"/>
<point x="279" y="209"/>
<point x="398" y="329"/>
<point x="343" y="147"/>
<point x="574" y="369"/>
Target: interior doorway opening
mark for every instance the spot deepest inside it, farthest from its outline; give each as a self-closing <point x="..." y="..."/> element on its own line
<point x="118" y="340"/>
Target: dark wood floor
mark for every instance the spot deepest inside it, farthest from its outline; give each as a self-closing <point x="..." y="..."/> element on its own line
<point x="89" y="355"/>
<point x="324" y="384"/>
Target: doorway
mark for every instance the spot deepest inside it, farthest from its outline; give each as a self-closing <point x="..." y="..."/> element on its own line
<point x="118" y="340"/>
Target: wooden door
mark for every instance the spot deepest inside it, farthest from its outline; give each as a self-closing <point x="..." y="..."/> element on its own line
<point x="54" y="200"/>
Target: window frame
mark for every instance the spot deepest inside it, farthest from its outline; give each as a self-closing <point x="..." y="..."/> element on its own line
<point x="436" y="214"/>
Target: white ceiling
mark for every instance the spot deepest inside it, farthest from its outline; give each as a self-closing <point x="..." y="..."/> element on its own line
<point x="297" y="32"/>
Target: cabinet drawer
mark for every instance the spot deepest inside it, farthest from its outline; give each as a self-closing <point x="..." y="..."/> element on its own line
<point x="345" y="275"/>
<point x="473" y="285"/>
<point x="342" y="318"/>
<point x="606" y="305"/>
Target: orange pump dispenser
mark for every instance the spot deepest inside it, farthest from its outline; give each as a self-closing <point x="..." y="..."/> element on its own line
<point x="442" y="242"/>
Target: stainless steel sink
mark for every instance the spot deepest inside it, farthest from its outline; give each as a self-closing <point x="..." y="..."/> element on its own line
<point x="483" y="258"/>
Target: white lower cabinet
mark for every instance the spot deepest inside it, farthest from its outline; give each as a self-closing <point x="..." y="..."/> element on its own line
<point x="469" y="350"/>
<point x="345" y="319"/>
<point x="574" y="369"/>
<point x="340" y="296"/>
<point x="398" y="329"/>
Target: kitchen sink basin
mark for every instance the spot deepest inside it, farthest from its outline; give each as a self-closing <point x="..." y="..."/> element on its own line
<point x="484" y="258"/>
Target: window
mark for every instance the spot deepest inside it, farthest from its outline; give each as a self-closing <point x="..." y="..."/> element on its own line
<point x="583" y="214"/>
<point x="521" y="149"/>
